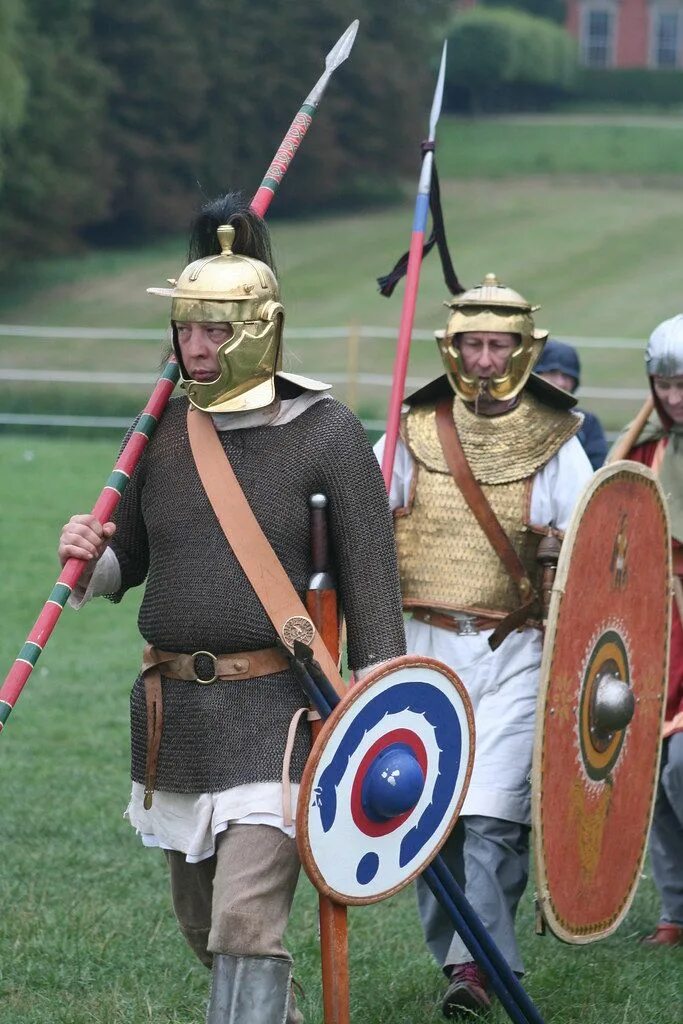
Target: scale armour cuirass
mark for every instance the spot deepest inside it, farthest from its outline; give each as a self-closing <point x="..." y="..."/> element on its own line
<point x="445" y="559"/>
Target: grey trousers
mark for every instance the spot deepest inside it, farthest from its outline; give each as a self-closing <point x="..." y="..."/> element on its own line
<point x="489" y="859"/>
<point x="666" y="837"/>
<point x="237" y="901"/>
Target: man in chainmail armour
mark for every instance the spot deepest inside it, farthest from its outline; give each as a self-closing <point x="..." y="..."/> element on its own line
<point x="213" y="704"/>
<point x="479" y="477"/>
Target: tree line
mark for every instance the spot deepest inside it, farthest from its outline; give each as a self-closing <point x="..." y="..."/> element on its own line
<point x="116" y="120"/>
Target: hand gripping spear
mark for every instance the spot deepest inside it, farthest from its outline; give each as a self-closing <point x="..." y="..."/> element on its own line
<point x="412" y="282"/>
<point x="153" y="411"/>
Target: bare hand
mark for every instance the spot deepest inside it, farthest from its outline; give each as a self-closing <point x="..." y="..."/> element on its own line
<point x="84" y="537"/>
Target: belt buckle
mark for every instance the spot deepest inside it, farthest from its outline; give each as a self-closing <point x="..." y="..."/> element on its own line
<point x="465" y="625"/>
<point x="204" y="679"/>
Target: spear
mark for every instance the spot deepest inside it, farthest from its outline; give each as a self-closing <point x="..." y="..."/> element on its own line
<point x="301" y="122"/>
<point x="149" y="417"/>
<point x="412" y="282"/>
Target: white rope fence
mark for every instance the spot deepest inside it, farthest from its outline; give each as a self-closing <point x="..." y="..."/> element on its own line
<point x="351" y="380"/>
<point x="380" y="380"/>
<point x="292" y="334"/>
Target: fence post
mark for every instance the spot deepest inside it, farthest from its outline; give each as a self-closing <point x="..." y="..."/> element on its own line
<point x="352" y="354"/>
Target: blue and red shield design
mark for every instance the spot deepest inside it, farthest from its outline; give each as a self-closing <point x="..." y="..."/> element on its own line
<point x="385" y="780"/>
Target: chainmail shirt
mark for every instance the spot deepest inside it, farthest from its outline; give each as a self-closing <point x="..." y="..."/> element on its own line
<point x="197" y="596"/>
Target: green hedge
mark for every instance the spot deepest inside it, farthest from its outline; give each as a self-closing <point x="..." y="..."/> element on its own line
<point x="551" y="10"/>
<point x="639" y="86"/>
<point x="504" y="59"/>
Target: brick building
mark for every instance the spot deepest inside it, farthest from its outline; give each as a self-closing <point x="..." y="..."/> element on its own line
<point x="624" y="33"/>
<point x="628" y="33"/>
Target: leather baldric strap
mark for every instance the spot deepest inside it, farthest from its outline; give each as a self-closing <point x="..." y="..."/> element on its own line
<point x="251" y="547"/>
<point x="476" y="499"/>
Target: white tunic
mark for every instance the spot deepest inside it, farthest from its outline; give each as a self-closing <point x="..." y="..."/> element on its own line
<point x="502" y="684"/>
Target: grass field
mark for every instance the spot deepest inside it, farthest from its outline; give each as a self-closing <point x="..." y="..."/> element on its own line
<point x="585" y="220"/>
<point x="87" y="935"/>
<point x="582" y="216"/>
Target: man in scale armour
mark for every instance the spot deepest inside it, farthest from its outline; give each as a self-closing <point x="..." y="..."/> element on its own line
<point x="487" y="465"/>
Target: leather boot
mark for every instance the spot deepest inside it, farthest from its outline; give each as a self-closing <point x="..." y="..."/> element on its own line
<point x="665" y="934"/>
<point x="467" y="991"/>
<point x="249" y="990"/>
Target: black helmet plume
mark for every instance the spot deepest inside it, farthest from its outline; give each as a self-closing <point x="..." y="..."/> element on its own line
<point x="252" y="237"/>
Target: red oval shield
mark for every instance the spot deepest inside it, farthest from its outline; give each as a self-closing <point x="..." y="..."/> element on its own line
<point x="594" y="783"/>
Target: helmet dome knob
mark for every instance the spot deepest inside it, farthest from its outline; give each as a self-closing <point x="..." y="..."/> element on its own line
<point x="226" y="236"/>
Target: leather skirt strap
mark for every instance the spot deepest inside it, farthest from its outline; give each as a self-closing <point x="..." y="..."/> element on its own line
<point x="155" y="721"/>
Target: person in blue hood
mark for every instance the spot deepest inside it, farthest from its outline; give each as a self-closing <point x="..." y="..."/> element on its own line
<point x="559" y="364"/>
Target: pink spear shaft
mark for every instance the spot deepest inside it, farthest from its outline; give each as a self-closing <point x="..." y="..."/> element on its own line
<point x="153" y="411"/>
<point x="412" y="285"/>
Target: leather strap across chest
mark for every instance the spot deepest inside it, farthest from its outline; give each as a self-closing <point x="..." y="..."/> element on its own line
<point x="476" y="499"/>
<point x="249" y="543"/>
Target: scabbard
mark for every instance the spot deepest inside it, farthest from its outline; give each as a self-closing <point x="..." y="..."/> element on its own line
<point x="334" y="945"/>
<point x="324" y="611"/>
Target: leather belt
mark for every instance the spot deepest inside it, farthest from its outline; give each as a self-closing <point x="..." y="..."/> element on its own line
<point x="204" y="667"/>
<point x="201" y="667"/>
<point x="456" y="622"/>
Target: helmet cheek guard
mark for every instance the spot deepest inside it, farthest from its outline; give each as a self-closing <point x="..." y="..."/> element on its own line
<point x="246" y="367"/>
<point x="491" y="307"/>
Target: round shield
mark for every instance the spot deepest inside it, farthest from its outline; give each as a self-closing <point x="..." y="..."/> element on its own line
<point x="385" y="781"/>
<point x="601" y="702"/>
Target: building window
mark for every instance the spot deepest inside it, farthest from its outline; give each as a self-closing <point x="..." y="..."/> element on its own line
<point x="667" y="26"/>
<point x="597" y="37"/>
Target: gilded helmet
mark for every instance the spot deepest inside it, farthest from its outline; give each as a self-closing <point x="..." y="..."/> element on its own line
<point x="491" y="306"/>
<point x="229" y="287"/>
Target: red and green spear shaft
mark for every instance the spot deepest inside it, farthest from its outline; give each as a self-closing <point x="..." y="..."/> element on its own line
<point x="412" y="284"/>
<point x="153" y="411"/>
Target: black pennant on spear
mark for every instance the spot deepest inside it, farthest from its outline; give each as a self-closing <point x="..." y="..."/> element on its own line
<point x="428" y="197"/>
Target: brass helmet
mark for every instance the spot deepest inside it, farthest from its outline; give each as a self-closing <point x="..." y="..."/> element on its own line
<point x="231" y="288"/>
<point x="491" y="306"/>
